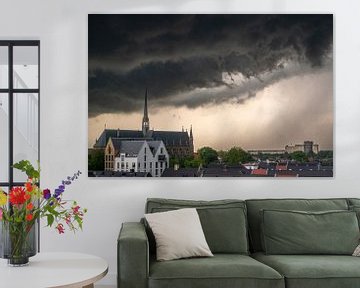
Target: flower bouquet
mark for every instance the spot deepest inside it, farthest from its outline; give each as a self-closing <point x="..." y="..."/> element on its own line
<point x="21" y="208"/>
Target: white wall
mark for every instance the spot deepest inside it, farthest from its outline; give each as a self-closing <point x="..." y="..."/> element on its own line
<point x="62" y="28"/>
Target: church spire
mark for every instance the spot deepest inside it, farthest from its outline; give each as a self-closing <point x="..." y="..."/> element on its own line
<point x="145" y="122"/>
<point x="191" y="139"/>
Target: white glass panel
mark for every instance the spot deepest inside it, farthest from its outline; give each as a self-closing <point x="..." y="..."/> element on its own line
<point x="26" y="67"/>
<point x="4" y="137"/>
<point x="26" y="132"/>
<point x="4" y="67"/>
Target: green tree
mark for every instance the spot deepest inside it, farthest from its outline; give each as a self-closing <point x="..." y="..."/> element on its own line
<point x="299" y="156"/>
<point x="222" y="155"/>
<point x="207" y="155"/>
<point x="192" y="162"/>
<point x="325" y="154"/>
<point x="96" y="160"/>
<point x="237" y="155"/>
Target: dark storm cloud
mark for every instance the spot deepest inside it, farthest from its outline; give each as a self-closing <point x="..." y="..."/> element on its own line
<point x="174" y="55"/>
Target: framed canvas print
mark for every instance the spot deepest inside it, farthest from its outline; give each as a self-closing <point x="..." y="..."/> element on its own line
<point x="210" y="95"/>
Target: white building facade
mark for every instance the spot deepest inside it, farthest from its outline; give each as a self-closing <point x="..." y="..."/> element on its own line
<point x="141" y="156"/>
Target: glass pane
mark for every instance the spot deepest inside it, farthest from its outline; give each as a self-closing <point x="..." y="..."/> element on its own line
<point x="4" y="188"/>
<point x="4" y="137"/>
<point x="26" y="130"/>
<point x="26" y="67"/>
<point x="4" y="67"/>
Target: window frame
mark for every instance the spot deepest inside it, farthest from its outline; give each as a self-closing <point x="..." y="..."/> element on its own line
<point x="11" y="91"/>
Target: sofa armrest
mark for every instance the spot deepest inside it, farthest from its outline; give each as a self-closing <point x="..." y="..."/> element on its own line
<point x="133" y="256"/>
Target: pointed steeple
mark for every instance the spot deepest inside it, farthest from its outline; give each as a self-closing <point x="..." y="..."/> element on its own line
<point x="191" y="140"/>
<point x="145" y="121"/>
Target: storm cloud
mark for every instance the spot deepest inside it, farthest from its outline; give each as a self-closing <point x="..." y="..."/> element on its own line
<point x="198" y="60"/>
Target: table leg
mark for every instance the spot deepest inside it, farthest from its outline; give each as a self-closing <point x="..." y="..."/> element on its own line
<point x="89" y="286"/>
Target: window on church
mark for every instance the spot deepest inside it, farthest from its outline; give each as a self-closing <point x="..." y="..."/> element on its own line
<point x="150" y="165"/>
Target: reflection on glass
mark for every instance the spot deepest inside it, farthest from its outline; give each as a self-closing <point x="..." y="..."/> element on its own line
<point x="4" y="137"/>
<point x="26" y="67"/>
<point x="26" y="130"/>
<point x="4" y="67"/>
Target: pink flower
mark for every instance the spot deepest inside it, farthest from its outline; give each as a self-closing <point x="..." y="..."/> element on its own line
<point x="1" y="212"/>
<point x="60" y="228"/>
<point x="76" y="210"/>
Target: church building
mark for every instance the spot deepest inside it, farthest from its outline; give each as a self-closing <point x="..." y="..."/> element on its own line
<point x="178" y="144"/>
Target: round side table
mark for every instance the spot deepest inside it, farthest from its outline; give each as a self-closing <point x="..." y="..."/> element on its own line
<point x="50" y="270"/>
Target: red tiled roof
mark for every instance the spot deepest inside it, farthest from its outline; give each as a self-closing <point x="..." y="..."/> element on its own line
<point x="259" y="171"/>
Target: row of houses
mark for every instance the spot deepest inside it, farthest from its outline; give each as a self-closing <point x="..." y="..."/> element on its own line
<point x="307" y="147"/>
<point x="261" y="169"/>
<point x="136" y="156"/>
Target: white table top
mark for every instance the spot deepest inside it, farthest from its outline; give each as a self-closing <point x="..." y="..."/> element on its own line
<point x="68" y="270"/>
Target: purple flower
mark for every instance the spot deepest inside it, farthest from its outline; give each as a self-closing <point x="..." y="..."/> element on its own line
<point x="57" y="193"/>
<point x="68" y="181"/>
<point x="46" y="194"/>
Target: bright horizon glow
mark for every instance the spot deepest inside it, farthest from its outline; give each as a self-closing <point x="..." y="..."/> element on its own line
<point x="288" y="112"/>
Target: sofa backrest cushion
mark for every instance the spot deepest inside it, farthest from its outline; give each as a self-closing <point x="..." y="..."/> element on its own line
<point x="256" y="205"/>
<point x="354" y="205"/>
<point x="353" y="202"/>
<point x="223" y="221"/>
<point x="298" y="232"/>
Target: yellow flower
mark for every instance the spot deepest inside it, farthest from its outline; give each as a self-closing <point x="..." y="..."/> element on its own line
<point x="3" y="198"/>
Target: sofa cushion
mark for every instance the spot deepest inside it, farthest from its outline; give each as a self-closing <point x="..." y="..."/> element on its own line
<point x="313" y="271"/>
<point x="297" y="232"/>
<point x="178" y="234"/>
<point x="223" y="221"/>
<point x="356" y="209"/>
<point x="254" y="216"/>
<point x="222" y="270"/>
<point x="353" y="201"/>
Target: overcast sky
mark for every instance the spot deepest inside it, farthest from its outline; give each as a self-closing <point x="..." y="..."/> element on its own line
<point x="255" y="81"/>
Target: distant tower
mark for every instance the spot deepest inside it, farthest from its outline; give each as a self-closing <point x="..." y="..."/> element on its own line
<point x="191" y="139"/>
<point x="145" y="121"/>
<point x="308" y="147"/>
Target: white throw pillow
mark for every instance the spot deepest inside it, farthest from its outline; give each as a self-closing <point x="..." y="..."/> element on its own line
<point x="357" y="251"/>
<point x="178" y="234"/>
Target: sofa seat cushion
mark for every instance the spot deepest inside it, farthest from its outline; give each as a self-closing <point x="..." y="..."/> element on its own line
<point x="313" y="271"/>
<point x="222" y="270"/>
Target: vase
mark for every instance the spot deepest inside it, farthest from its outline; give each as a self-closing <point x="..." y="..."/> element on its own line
<point x="18" y="242"/>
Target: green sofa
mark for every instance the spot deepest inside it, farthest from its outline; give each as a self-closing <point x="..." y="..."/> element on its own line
<point x="235" y="234"/>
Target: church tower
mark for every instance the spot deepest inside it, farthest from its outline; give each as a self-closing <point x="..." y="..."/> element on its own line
<point x="145" y="121"/>
<point x="191" y="139"/>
